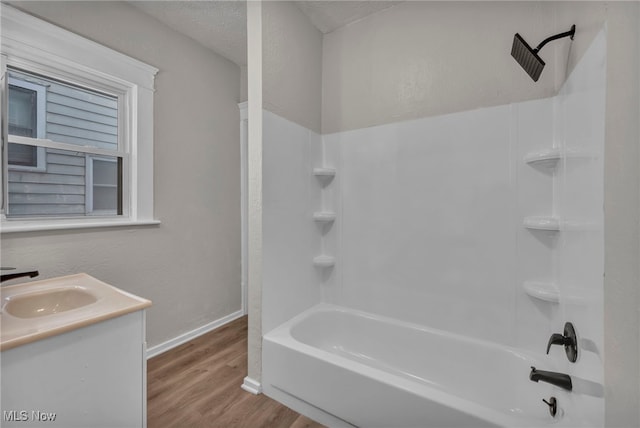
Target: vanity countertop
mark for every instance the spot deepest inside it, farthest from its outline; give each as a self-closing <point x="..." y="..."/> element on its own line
<point x="35" y="310"/>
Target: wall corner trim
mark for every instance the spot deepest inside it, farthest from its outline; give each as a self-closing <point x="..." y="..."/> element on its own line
<point x="252" y="386"/>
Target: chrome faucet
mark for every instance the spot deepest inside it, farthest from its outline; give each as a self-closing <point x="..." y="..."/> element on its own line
<point x="8" y="276"/>
<point x="558" y="379"/>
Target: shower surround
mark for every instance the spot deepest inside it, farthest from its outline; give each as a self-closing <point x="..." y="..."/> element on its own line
<point x="482" y="228"/>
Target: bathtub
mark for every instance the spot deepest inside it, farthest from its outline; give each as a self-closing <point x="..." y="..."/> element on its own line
<point x="349" y="368"/>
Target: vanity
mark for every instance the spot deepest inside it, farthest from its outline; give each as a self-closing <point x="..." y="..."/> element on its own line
<point x="72" y="354"/>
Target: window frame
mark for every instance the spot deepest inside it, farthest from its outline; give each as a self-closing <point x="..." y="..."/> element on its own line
<point x="120" y="152"/>
<point x="36" y="46"/>
<point x="90" y="184"/>
<point x="41" y="119"/>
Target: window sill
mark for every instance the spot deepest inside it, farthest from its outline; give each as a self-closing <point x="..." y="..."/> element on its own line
<point x="15" y="226"/>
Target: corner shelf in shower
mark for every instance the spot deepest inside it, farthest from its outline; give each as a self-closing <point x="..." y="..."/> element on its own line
<point x="547" y="291"/>
<point x="324" y="261"/>
<point x="547" y="158"/>
<point x="324" y="216"/>
<point x="324" y="172"/>
<point x="542" y="223"/>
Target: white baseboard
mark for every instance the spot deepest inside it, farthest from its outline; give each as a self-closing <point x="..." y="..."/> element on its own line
<point x="251" y="386"/>
<point x="185" y="337"/>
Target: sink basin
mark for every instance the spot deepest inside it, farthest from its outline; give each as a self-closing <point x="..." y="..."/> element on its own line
<point x="48" y="302"/>
<point x="40" y="309"/>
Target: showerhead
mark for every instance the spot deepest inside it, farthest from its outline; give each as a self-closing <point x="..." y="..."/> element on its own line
<point x="528" y="58"/>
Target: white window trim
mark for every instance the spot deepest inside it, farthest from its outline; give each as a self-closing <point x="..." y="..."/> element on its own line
<point x="37" y="46"/>
<point x="41" y="118"/>
<point x="244" y="222"/>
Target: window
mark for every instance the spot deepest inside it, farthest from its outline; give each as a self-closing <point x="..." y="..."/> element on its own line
<point x="62" y="181"/>
<point x="77" y="134"/>
<point x="104" y="194"/>
<point x="26" y="119"/>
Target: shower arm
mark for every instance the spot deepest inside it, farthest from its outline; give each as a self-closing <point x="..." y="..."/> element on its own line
<point x="569" y="33"/>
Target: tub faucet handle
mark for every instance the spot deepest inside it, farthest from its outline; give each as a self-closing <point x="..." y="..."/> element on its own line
<point x="569" y="340"/>
<point x="557" y="339"/>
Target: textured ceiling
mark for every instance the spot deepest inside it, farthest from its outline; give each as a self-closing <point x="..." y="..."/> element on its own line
<point x="330" y="15"/>
<point x="222" y="25"/>
<point x="219" y="25"/>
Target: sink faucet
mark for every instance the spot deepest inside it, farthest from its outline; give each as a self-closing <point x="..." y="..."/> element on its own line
<point x="558" y="379"/>
<point x="7" y="276"/>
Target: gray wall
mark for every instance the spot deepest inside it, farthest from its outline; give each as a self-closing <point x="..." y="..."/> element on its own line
<point x="189" y="266"/>
<point x="621" y="205"/>
<point x="447" y="57"/>
<point x="291" y="64"/>
<point x="424" y="58"/>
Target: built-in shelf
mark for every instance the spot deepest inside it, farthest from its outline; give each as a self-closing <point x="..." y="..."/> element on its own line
<point x="324" y="261"/>
<point x="324" y="177"/>
<point x="324" y="216"/>
<point x="547" y="291"/>
<point x="324" y="172"/>
<point x="547" y="158"/>
<point x="542" y="223"/>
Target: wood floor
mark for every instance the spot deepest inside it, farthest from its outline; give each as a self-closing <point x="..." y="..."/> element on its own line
<point x="198" y="383"/>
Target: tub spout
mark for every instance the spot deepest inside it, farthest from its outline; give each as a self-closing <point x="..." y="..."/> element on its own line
<point x="558" y="379"/>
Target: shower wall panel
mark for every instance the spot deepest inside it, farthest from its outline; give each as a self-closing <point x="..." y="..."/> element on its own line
<point x="431" y="220"/>
<point x="532" y="133"/>
<point x="428" y="221"/>
<point x="579" y="200"/>
<point x="290" y="238"/>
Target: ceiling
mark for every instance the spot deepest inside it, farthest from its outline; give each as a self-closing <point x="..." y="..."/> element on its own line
<point x="330" y="15"/>
<point x="221" y="25"/>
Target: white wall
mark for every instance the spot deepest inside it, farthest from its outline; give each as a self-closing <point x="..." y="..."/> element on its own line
<point x="189" y="266"/>
<point x="532" y="132"/>
<point x="621" y="203"/>
<point x="290" y="283"/>
<point x="428" y="225"/>
<point x="254" y="196"/>
<point x="578" y="202"/>
<point x="244" y="90"/>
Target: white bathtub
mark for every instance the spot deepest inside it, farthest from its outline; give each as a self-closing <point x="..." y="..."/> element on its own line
<point x="370" y="371"/>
